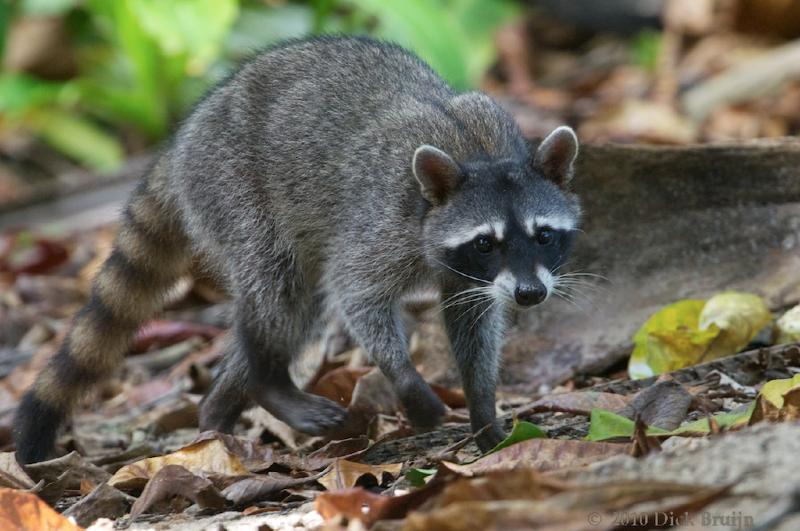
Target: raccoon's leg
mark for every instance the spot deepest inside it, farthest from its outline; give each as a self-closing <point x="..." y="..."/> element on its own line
<point x="270" y="336"/>
<point x="150" y="254"/>
<point x="378" y="328"/>
<point x="223" y="404"/>
<point x="476" y="337"/>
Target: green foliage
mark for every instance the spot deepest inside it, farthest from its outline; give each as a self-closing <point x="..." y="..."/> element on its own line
<point x="645" y="48"/>
<point x="78" y="137"/>
<point x="454" y="36"/>
<point x="36" y="105"/>
<point x="606" y="425"/>
<point x="158" y="54"/>
<point x="417" y="477"/>
<point x="143" y="63"/>
<point x="522" y="431"/>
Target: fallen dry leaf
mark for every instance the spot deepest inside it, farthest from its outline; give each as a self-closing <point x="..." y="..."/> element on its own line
<point x="644" y="444"/>
<point x="663" y="404"/>
<point x="344" y="449"/>
<point x="373" y="395"/>
<point x="259" y="488"/>
<point x="160" y="333"/>
<point x="11" y="473"/>
<point x="360" y="504"/>
<point x="26" y="253"/>
<point x="482" y="502"/>
<point x="355" y="503"/>
<point x="208" y="457"/>
<point x="175" y="480"/>
<point x="253" y="455"/>
<point x="338" y="384"/>
<point x="69" y="470"/>
<point x="345" y="474"/>
<point x="453" y="398"/>
<point x="103" y="502"/>
<point x="542" y="455"/>
<point x="503" y="514"/>
<point x="23" y="510"/>
<point x="576" y="402"/>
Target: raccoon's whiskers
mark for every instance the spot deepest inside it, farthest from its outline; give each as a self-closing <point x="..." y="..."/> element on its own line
<point x="460" y="273"/>
<point x="470" y="295"/>
<point x="569" y="299"/>
<point x="584" y="274"/>
<point x="573" y="293"/>
<point x="489" y="307"/>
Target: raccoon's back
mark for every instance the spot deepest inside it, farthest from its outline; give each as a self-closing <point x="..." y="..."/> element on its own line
<point x="277" y="142"/>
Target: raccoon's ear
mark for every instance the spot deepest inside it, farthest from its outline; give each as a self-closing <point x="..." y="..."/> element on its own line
<point x="555" y="156"/>
<point x="438" y="174"/>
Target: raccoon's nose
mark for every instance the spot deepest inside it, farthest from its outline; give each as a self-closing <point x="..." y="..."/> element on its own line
<point x="530" y="294"/>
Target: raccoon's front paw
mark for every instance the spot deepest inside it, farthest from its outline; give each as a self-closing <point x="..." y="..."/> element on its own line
<point x="490" y="437"/>
<point x="423" y="408"/>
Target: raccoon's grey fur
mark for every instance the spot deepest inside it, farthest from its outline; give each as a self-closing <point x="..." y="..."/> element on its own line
<point x="326" y="179"/>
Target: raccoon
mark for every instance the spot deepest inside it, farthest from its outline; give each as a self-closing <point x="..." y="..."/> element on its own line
<point x="324" y="180"/>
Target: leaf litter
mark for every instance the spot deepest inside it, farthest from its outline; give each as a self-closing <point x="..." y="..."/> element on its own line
<point x="148" y="461"/>
<point x="138" y="434"/>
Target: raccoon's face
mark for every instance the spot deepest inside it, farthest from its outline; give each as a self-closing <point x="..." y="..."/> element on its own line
<point x="503" y="226"/>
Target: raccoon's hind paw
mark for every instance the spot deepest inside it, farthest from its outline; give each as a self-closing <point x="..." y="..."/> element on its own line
<point x="318" y="416"/>
<point x="307" y="413"/>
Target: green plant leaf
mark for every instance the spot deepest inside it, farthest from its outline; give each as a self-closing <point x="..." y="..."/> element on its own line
<point x="454" y="36"/>
<point x="20" y="93"/>
<point x="194" y="29"/>
<point x="419" y="476"/>
<point x="78" y="138"/>
<point x="645" y="49"/>
<point x="257" y="28"/>
<point x="606" y="425"/>
<point x="723" y="420"/>
<point x="522" y="431"/>
<point x="6" y="12"/>
<point x="46" y="8"/>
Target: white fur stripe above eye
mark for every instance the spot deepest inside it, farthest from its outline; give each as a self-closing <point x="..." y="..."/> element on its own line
<point x="557" y="222"/>
<point x="494" y="228"/>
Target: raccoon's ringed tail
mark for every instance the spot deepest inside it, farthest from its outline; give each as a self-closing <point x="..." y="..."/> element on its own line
<point x="150" y="254"/>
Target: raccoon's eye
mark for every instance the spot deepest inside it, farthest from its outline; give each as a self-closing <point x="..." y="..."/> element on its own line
<point x="544" y="237"/>
<point x="483" y="244"/>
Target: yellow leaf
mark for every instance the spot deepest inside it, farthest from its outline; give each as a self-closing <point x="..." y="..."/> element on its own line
<point x="788" y="326"/>
<point x="740" y="316"/>
<point x="775" y="389"/>
<point x="693" y="331"/>
<point x="204" y="458"/>
<point x="665" y="342"/>
<point x="778" y="400"/>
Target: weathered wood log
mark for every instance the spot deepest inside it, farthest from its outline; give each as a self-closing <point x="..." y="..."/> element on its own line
<point x="662" y="224"/>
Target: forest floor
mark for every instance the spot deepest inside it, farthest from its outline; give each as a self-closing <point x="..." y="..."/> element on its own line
<point x="133" y="457"/>
<point x="708" y="446"/>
